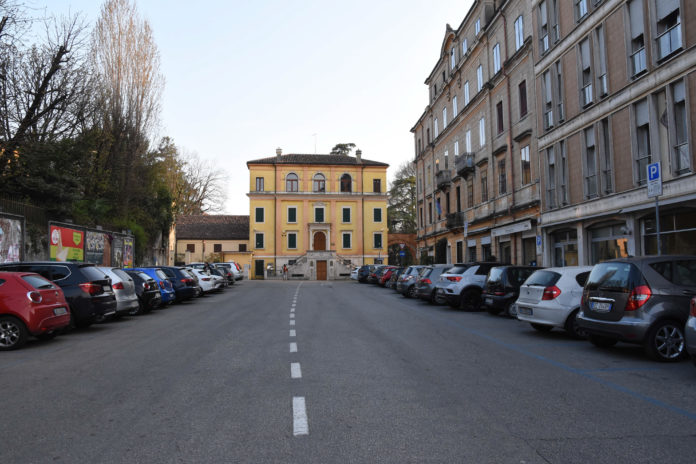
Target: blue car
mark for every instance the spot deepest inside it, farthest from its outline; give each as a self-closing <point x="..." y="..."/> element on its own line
<point x="165" y="285"/>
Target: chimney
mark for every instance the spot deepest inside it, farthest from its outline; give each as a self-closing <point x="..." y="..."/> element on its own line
<point x="358" y="155"/>
<point x="279" y="152"/>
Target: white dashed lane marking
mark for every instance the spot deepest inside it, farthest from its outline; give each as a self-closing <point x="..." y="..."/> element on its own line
<point x="299" y="416"/>
<point x="293" y="347"/>
<point x="295" y="371"/>
<point x="293" y="333"/>
<point x="292" y="315"/>
<point x="292" y="322"/>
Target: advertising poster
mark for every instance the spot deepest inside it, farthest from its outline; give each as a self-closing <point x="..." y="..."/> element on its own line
<point x="10" y="240"/>
<point x="128" y="252"/>
<point x="117" y="250"/>
<point x="66" y="244"/>
<point x="95" y="247"/>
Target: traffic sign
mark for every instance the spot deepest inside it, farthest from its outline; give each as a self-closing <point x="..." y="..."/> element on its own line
<point x="402" y="253"/>
<point x="654" y="180"/>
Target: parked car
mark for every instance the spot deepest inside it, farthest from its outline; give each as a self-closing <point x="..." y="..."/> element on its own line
<point x="227" y="272"/>
<point x="218" y="277"/>
<point x="236" y="270"/>
<point x="124" y="290"/>
<point x="502" y="288"/>
<point x="454" y="274"/>
<point x="364" y="272"/>
<point x="406" y="283"/>
<point x="690" y="331"/>
<point x="167" y="293"/>
<point x="184" y="285"/>
<point x="375" y="273"/>
<point x="385" y="275"/>
<point x="551" y="298"/>
<point x="188" y="273"/>
<point x="146" y="289"/>
<point x="465" y="293"/>
<point x="207" y="282"/>
<point x="425" y="285"/>
<point x="394" y="277"/>
<point x="643" y="300"/>
<point x="354" y="273"/>
<point x="87" y="290"/>
<point x="29" y="305"/>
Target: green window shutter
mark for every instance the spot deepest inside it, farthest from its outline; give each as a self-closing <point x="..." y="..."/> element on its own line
<point x="259" y="240"/>
<point x="319" y="215"/>
<point x="292" y="214"/>
<point x="346" y="240"/>
<point x="378" y="214"/>
<point x="292" y="241"/>
<point x="259" y="214"/>
<point x="346" y="214"/>
<point x="378" y="240"/>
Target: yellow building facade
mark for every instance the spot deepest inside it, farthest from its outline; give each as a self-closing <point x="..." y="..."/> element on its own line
<point x="318" y="214"/>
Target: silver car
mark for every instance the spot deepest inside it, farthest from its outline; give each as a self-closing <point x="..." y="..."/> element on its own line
<point x="124" y="289"/>
<point x="551" y="298"/>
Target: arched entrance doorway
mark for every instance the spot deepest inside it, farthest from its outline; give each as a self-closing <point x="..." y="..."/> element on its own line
<point x="319" y="241"/>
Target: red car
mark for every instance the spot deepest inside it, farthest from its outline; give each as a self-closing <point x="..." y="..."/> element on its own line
<point x="386" y="275"/>
<point x="29" y="305"/>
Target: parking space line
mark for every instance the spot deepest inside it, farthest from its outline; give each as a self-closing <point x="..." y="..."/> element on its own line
<point x="293" y="347"/>
<point x="295" y="371"/>
<point x="299" y="416"/>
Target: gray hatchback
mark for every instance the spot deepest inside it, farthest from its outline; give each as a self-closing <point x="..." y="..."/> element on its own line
<point x="640" y="300"/>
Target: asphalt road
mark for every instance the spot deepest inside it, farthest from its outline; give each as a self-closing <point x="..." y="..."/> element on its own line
<point x="325" y="372"/>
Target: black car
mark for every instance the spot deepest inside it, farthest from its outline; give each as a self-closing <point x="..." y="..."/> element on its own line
<point x="226" y="271"/>
<point x="87" y="290"/>
<point x="185" y="286"/>
<point x="147" y="290"/>
<point x="642" y="300"/>
<point x="364" y="272"/>
<point x="502" y="288"/>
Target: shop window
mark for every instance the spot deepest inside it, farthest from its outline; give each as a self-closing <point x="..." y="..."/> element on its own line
<point x="608" y="242"/>
<point x="565" y="248"/>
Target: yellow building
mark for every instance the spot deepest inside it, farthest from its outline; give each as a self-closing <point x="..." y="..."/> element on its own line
<point x="318" y="214"/>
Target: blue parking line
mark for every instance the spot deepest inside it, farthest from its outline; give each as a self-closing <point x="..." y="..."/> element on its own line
<point x="581" y="372"/>
<point x="620" y="369"/>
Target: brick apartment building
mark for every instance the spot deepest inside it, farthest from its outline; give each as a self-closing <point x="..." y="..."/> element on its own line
<point x="615" y="85"/>
<point x="478" y="184"/>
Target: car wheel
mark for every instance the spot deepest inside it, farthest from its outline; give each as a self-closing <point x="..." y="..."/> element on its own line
<point x="13" y="333"/>
<point x="511" y="311"/>
<point x="571" y="326"/>
<point x="138" y="310"/>
<point x="601" y="342"/>
<point x="542" y="327"/>
<point x="411" y="292"/>
<point x="470" y="300"/>
<point x="436" y="299"/>
<point x="665" y="341"/>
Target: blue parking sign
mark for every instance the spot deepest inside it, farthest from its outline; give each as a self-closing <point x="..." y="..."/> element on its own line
<point x="654" y="180"/>
<point x="654" y="171"/>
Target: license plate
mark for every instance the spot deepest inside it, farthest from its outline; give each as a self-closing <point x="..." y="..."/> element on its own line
<point x="524" y="311"/>
<point x="600" y="306"/>
<point x="106" y="288"/>
<point x="60" y="311"/>
<point x="489" y="300"/>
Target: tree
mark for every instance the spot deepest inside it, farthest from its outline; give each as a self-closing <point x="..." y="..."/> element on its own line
<point x="342" y="149"/>
<point x="401" y="209"/>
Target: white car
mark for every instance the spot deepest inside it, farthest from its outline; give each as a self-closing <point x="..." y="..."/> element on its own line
<point x="354" y="273"/>
<point x="208" y="282"/>
<point x="551" y="298"/>
<point x="464" y="290"/>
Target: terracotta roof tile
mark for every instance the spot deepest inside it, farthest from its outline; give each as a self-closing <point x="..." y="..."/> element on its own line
<point x="212" y="227"/>
<point x="316" y="159"/>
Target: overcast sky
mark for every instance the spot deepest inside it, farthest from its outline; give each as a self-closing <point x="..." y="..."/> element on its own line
<point x="243" y="78"/>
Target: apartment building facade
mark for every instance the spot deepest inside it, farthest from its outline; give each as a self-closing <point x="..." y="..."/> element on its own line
<point x="317" y="214"/>
<point x="615" y="88"/>
<point x="478" y="189"/>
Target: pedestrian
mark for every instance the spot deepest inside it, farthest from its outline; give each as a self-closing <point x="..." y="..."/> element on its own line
<point x="285" y="272"/>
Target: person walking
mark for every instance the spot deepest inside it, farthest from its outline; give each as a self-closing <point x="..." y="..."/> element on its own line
<point x="285" y="272"/>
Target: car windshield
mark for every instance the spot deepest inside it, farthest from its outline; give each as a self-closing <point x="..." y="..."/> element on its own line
<point x="161" y="274"/>
<point x="458" y="269"/>
<point x="518" y="275"/>
<point x="495" y="274"/>
<point x="92" y="273"/>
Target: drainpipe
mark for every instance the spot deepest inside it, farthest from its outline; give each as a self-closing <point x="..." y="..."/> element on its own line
<point x="513" y="251"/>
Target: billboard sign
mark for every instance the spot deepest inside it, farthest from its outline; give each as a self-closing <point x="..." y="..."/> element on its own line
<point x="66" y="244"/>
<point x="10" y="240"/>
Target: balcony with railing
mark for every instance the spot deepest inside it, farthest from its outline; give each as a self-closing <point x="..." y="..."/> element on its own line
<point x="442" y="179"/>
<point x="638" y="61"/>
<point x="464" y="164"/>
<point x="669" y="42"/>
<point x="455" y="220"/>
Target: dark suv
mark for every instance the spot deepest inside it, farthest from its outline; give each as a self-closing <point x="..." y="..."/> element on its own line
<point x="502" y="288"/>
<point x="87" y="290"/>
<point x="640" y="300"/>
